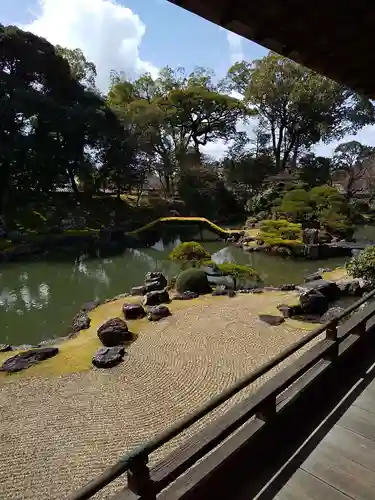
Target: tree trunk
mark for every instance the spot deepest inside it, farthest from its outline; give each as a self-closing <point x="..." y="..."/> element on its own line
<point x="73" y="181"/>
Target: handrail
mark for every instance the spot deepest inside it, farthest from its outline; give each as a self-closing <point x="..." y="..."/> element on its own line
<point x="214" y="227"/>
<point x="141" y="453"/>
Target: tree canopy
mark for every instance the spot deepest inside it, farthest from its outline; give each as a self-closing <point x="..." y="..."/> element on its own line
<point x="58" y="132"/>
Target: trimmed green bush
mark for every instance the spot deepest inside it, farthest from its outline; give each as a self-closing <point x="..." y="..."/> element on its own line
<point x="280" y="232"/>
<point x="189" y="254"/>
<point x="193" y="280"/>
<point x="239" y="271"/>
<point x="363" y="265"/>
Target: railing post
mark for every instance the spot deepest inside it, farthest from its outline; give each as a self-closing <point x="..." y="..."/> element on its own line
<point x="267" y="410"/>
<point x="139" y="480"/>
<point x="360" y="329"/>
<point x="331" y="334"/>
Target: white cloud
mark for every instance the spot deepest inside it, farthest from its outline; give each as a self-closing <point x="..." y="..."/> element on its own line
<point x="366" y="136"/>
<point x="235" y="47"/>
<point x="108" y="33"/>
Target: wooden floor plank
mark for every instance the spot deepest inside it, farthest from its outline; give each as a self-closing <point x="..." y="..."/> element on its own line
<point x="304" y="486"/>
<point x="353" y="446"/>
<point x="341" y="473"/>
<point x="366" y="400"/>
<point x="358" y="420"/>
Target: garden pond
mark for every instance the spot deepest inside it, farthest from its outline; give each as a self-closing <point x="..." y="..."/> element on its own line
<point x="39" y="298"/>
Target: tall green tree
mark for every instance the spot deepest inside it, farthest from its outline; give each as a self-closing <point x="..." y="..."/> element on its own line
<point x="176" y="112"/>
<point x="356" y="161"/>
<point x="82" y="70"/>
<point x="298" y="107"/>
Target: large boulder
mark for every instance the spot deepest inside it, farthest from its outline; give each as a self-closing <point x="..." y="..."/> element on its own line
<point x="26" y="359"/>
<point x="107" y="357"/>
<point x="133" y="311"/>
<point x="332" y="313"/>
<point x="327" y="288"/>
<point x="313" y="302"/>
<point x="156" y="297"/>
<point x="272" y="320"/>
<point x="158" y="312"/>
<point x="81" y="321"/>
<point x="114" y="332"/>
<point x="155" y="281"/>
<point x="350" y="287"/>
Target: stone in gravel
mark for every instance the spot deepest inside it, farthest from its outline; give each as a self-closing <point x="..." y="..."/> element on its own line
<point x="158" y="312"/>
<point x="133" y="311"/>
<point x="185" y="296"/>
<point x="156" y="297"/>
<point x="138" y="290"/>
<point x="107" y="357"/>
<point x="313" y="277"/>
<point x="28" y="358"/>
<point x="271" y="319"/>
<point x="5" y="347"/>
<point x="313" y="302"/>
<point x="114" y="332"/>
<point x="289" y="311"/>
<point x="90" y="306"/>
<point x="331" y="314"/>
<point x="81" y="321"/>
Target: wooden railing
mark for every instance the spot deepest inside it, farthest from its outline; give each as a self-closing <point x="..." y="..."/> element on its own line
<point x="259" y="408"/>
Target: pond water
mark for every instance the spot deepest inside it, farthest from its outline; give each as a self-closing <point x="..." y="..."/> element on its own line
<point x="38" y="299"/>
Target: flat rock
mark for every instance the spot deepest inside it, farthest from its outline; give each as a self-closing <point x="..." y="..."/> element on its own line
<point x="328" y="288"/>
<point x="158" y="312"/>
<point x="114" y="332"/>
<point x="313" y="277"/>
<point x="331" y="314"/>
<point x="107" y="357"/>
<point x="81" y="321"/>
<point x="90" y="306"/>
<point x="156" y="297"/>
<point x="138" y="290"/>
<point x="26" y="359"/>
<point x="133" y="311"/>
<point x="185" y="296"/>
<point x="271" y="319"/>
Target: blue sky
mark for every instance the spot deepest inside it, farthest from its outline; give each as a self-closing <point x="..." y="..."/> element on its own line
<point x="139" y="35"/>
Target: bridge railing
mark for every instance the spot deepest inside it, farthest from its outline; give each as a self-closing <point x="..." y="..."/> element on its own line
<point x="146" y="483"/>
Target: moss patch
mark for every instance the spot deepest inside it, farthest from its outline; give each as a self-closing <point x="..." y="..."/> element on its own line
<point x="336" y="274"/>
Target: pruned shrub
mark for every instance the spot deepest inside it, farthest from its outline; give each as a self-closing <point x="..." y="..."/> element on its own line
<point x="239" y="272"/>
<point x="190" y="254"/>
<point x="280" y="232"/>
<point x="362" y="265"/>
<point x="193" y="280"/>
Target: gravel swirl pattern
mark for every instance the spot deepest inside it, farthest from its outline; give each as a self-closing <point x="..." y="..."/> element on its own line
<point x="58" y="433"/>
